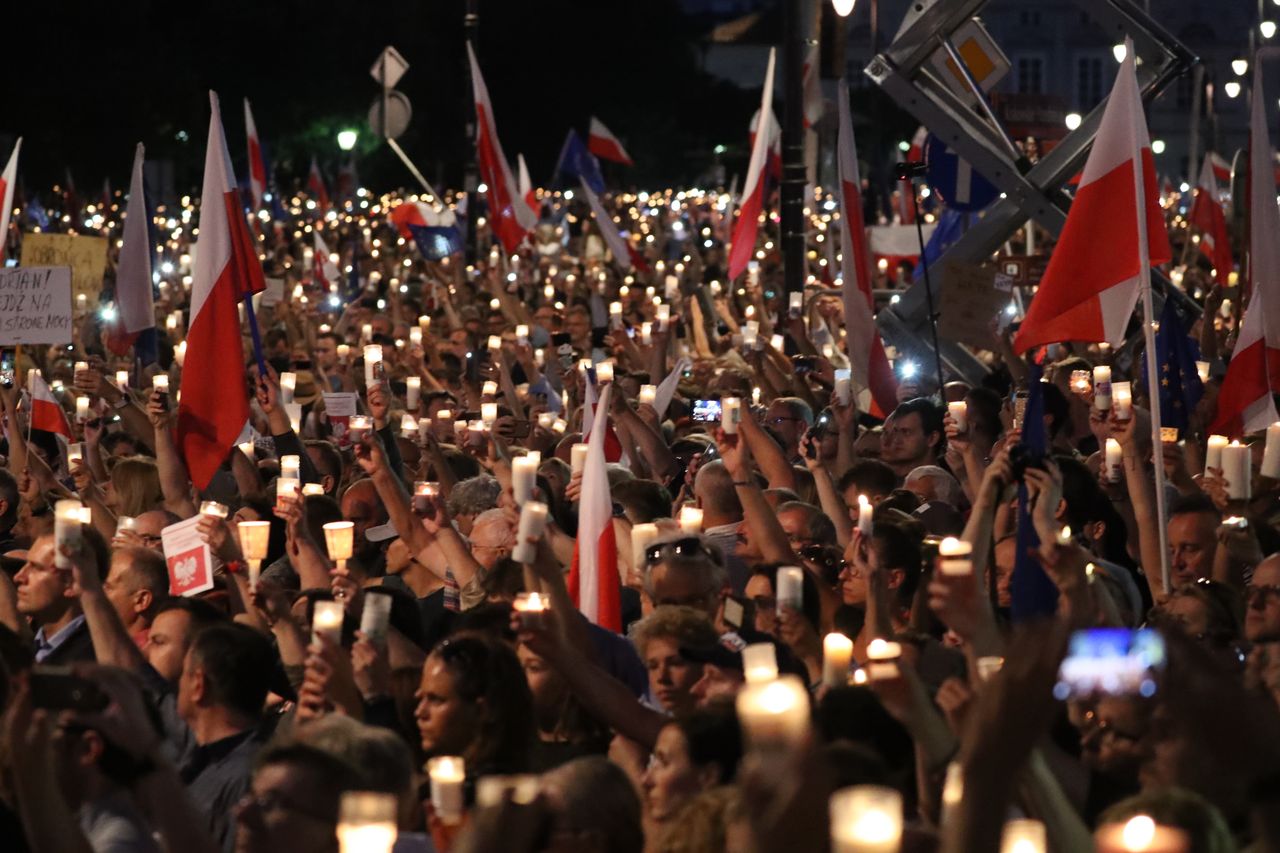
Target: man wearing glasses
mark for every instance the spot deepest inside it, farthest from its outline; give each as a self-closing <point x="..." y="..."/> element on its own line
<point x="787" y="419"/>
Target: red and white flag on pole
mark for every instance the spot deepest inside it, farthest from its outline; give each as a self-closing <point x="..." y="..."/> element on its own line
<point x="525" y="185"/>
<point x="1221" y="168"/>
<point x="315" y="186"/>
<point x="324" y="270"/>
<point x="743" y="245"/>
<point x="257" y="167"/>
<point x="510" y="218"/>
<point x="46" y="413"/>
<point x="8" y="182"/>
<point x="867" y="361"/>
<point x="1092" y="283"/>
<point x="1207" y="216"/>
<point x="135" y="307"/>
<point x="602" y="143"/>
<point x="213" y="411"/>
<point x="593" y="579"/>
<point x="1245" y="403"/>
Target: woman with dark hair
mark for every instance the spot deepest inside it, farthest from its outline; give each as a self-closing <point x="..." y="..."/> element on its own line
<point x="694" y="753"/>
<point x="474" y="701"/>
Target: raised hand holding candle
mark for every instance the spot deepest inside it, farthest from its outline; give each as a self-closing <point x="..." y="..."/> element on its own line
<point x="67" y="521"/>
<point x="374" y="369"/>
<point x="524" y="475"/>
<point x="1114" y="455"/>
<point x="1122" y="400"/>
<point x="533" y="522"/>
<point x="866" y="819"/>
<point x="288" y="385"/>
<point x="837" y="653"/>
<point x="1102" y="387"/>
<point x="1237" y="470"/>
<point x="1213" y="452"/>
<point x="1271" y="454"/>
<point x="790" y="592"/>
<point x="959" y="411"/>
<point x="954" y="557"/>
<point x="577" y="458"/>
<point x="447" y="772"/>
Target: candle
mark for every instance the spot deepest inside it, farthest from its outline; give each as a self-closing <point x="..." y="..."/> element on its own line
<point x="883" y="659"/>
<point x="80" y="367"/>
<point x="988" y="666"/>
<point x="615" y="314"/>
<point x="1023" y="835"/>
<point x="532" y="607"/>
<point x="750" y="334"/>
<point x="646" y="333"/>
<point x="288" y="384"/>
<point x="339" y="541"/>
<point x="326" y="621"/>
<point x="730" y="414"/>
<point x="293" y="410"/>
<point x="312" y="489"/>
<point x="1271" y="455"/>
<point x="374" y="369"/>
<point x="795" y="304"/>
<point x="415" y="336"/>
<point x="522" y="335"/>
<point x="1236" y="470"/>
<point x="75" y="453"/>
<point x="952" y="791"/>
<point x="358" y="427"/>
<point x="489" y="388"/>
<point x="533" y="522"/>
<point x="1168" y="435"/>
<point x="66" y="529"/>
<point x="447" y="772"/>
<point x="837" y="652"/>
<point x="642" y="535"/>
<point x="424" y="322"/>
<point x="488" y="414"/>
<point x="1080" y="382"/>
<point x="366" y="332"/>
<point x="344" y="352"/>
<point x="367" y="819"/>
<point x="866" y="819"/>
<point x="662" y="316"/>
<point x="412" y="392"/>
<point x="760" y="663"/>
<point x="495" y="342"/>
<point x="126" y="522"/>
<point x="522" y="789"/>
<point x="1213" y="454"/>
<point x="1202" y="369"/>
<point x="122" y="379"/>
<point x="287" y="489"/>
<point x="959" y="411"/>
<point x="560" y="425"/>
<point x="1122" y="400"/>
<point x="604" y="372"/>
<point x="955" y="557"/>
<point x="690" y="519"/>
<point x="1141" y="834"/>
<point x="214" y="509"/>
<point x="1102" y="387"/>
<point x="524" y="475"/>
<point x="290" y="465"/>
<point x="254" y="538"/>
<point x="648" y="394"/>
<point x="408" y="425"/>
<point x="578" y="457"/>
<point x="1113" y="455"/>
<point x="790" y="588"/>
<point x="82" y="409"/>
<point x="864" y="515"/>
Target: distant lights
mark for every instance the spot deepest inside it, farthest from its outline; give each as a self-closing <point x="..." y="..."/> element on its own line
<point x="1073" y="120"/>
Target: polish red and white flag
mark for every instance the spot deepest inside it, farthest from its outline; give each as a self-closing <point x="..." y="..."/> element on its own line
<point x="257" y="166"/>
<point x="46" y="412"/>
<point x="1208" y="218"/>
<point x="602" y="143"/>
<point x="8" y="182"/>
<point x="509" y="216"/>
<point x="594" y="583"/>
<point x="743" y="245"/>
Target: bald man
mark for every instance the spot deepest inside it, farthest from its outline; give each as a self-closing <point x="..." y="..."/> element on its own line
<point x="361" y="506"/>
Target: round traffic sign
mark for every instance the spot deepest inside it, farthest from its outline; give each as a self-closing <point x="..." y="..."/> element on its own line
<point x="960" y="187"/>
<point x="398" y="114"/>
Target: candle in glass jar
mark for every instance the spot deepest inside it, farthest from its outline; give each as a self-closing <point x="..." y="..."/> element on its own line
<point x="690" y="519"/>
<point x="524" y="475"/>
<point x="604" y="372"/>
<point x="1122" y="400"/>
<point x="577" y="458"/>
<point x="288" y="384"/>
<point x="955" y="557"/>
<point x="1114" y="455"/>
<point x="358" y="427"/>
<point x="730" y="414"/>
<point x="759" y="663"/>
<point x="1213" y="453"/>
<point x="1237" y="469"/>
<point x="1271" y="453"/>
<point x="290" y="465"/>
<point x="866" y="819"/>
<point x="532" y="607"/>
<point x="1102" y="387"/>
<point x="1141" y="834"/>
<point x="374" y="369"/>
<point x="774" y="714"/>
<point x="326" y="621"/>
<point x="864" y="515"/>
<point x="67" y="521"/>
<point x="448" y="773"/>
<point x="214" y="509"/>
<point x="959" y="411"/>
<point x="790" y="591"/>
<point x="488" y="414"/>
<point x="882" y="657"/>
<point x="1023" y="835"/>
<point x="367" y="820"/>
<point x="1080" y="382"/>
<point x="837" y="652"/>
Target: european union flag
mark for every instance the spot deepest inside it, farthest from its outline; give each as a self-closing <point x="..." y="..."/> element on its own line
<point x="950" y="228"/>
<point x="1033" y="592"/>
<point x="436" y="242"/>
<point x="577" y="162"/>
<point x="1176" y="355"/>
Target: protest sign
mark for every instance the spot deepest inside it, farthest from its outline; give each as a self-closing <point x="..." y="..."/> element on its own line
<point x="188" y="557"/>
<point x="87" y="257"/>
<point x="339" y="408"/>
<point x="273" y="295"/>
<point x="35" y="305"/>
<point x="972" y="295"/>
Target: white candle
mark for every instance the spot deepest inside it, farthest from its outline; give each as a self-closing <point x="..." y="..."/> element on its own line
<point x="339" y="540"/>
<point x="214" y="509"/>
<point x="730" y="414"/>
<point x="795" y="303"/>
<point x="344" y="352"/>
<point x="790" y="591"/>
<point x="662" y="316"/>
<point x="760" y="663"/>
<point x="646" y="333"/>
<point x="952" y="792"/>
<point x="524" y="475"/>
<point x="367" y="819"/>
<point x="1122" y="400"/>
<point x="358" y="427"/>
<point x="648" y="394"/>
<point x="408" y="425"/>
<point x="690" y="519"/>
<point x="959" y="411"/>
<point x="533" y="522"/>
<point x="882" y="657"/>
<point x="522" y="335"/>
<point x="489" y="388"/>
<point x="532" y="607"/>
<point x="254" y="536"/>
<point x="67" y="522"/>
<point x="415" y="336"/>
<point x="604" y="372"/>
<point x="75" y="453"/>
<point x="1141" y="834"/>
<point x="1023" y="835"/>
<point x="287" y="489"/>
<point x="366" y="332"/>
<point x="642" y="535"/>
<point x="82" y="409"/>
<point x="1213" y="454"/>
<point x="866" y="819"/>
<point x="1202" y="369"/>
<point x="615" y="314"/>
<point x="488" y="414"/>
<point x="312" y="490"/>
<point x="288" y="384"/>
<point x="864" y="515"/>
<point x="1237" y="470"/>
<point x="374" y="369"/>
<point x="521" y="789"/>
<point x="80" y="367"/>
<point x="495" y="342"/>
<point x="954" y="557"/>
<point x="122" y="379"/>
<point x="412" y="392"/>
<point x="750" y="334"/>
<point x="424" y="322"/>
<point x="1102" y="387"/>
<point x="1271" y="454"/>
<point x="987" y="666"/>
<point x="1114" y="455"/>
<point x="577" y="458"/>
<point x="447" y="773"/>
<point x="774" y="714"/>
<point x="375" y="615"/>
<point x="290" y="465"/>
<point x="326" y="621"/>
<point x="837" y="652"/>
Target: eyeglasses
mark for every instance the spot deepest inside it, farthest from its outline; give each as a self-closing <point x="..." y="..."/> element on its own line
<point x="781" y="419"/>
<point x="691" y="547"/>
<point x="1262" y="592"/>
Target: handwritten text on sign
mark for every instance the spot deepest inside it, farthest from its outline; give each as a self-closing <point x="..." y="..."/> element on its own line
<point x="35" y="305"/>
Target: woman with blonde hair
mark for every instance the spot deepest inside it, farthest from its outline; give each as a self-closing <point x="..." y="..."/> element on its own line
<point x="134" y="487"/>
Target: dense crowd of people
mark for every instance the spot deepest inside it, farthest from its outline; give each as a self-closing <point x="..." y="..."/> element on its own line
<point x="461" y="698"/>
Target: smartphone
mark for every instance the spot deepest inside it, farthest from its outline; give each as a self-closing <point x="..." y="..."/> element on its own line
<point x="734" y="612"/>
<point x="816" y="433"/>
<point x="706" y="411"/>
<point x="1020" y="408"/>
<point x="520" y="429"/>
<point x="804" y="364"/>
<point x="302" y="364"/>
<point x="1112" y="662"/>
<point x="57" y="689"/>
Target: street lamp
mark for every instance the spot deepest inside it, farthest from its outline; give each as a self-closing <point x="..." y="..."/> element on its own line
<point x="1073" y="121"/>
<point x="1232" y="88"/>
<point x="347" y="139"/>
<point x="1267" y="28"/>
<point x="843" y="7"/>
<point x="1119" y="51"/>
<point x="1239" y="66"/>
<point x="1157" y="146"/>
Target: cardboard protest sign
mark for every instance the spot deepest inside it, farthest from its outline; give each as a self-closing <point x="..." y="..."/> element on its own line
<point x="972" y="295"/>
<point x="339" y="408"/>
<point x="87" y="257"/>
<point x="188" y="557"/>
<point x="273" y="295"/>
<point x="35" y="305"/>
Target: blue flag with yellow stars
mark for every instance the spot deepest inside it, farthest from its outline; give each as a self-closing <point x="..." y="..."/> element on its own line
<point x="1176" y="355"/>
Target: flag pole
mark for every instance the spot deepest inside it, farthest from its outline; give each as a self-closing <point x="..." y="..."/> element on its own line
<point x="255" y="334"/>
<point x="1149" y="335"/>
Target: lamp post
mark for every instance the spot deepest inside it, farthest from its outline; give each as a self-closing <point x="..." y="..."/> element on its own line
<point x="347" y="139"/>
<point x="793" y="170"/>
<point x="470" y="180"/>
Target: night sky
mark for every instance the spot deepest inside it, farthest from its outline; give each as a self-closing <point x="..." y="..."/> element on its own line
<point x="89" y="81"/>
